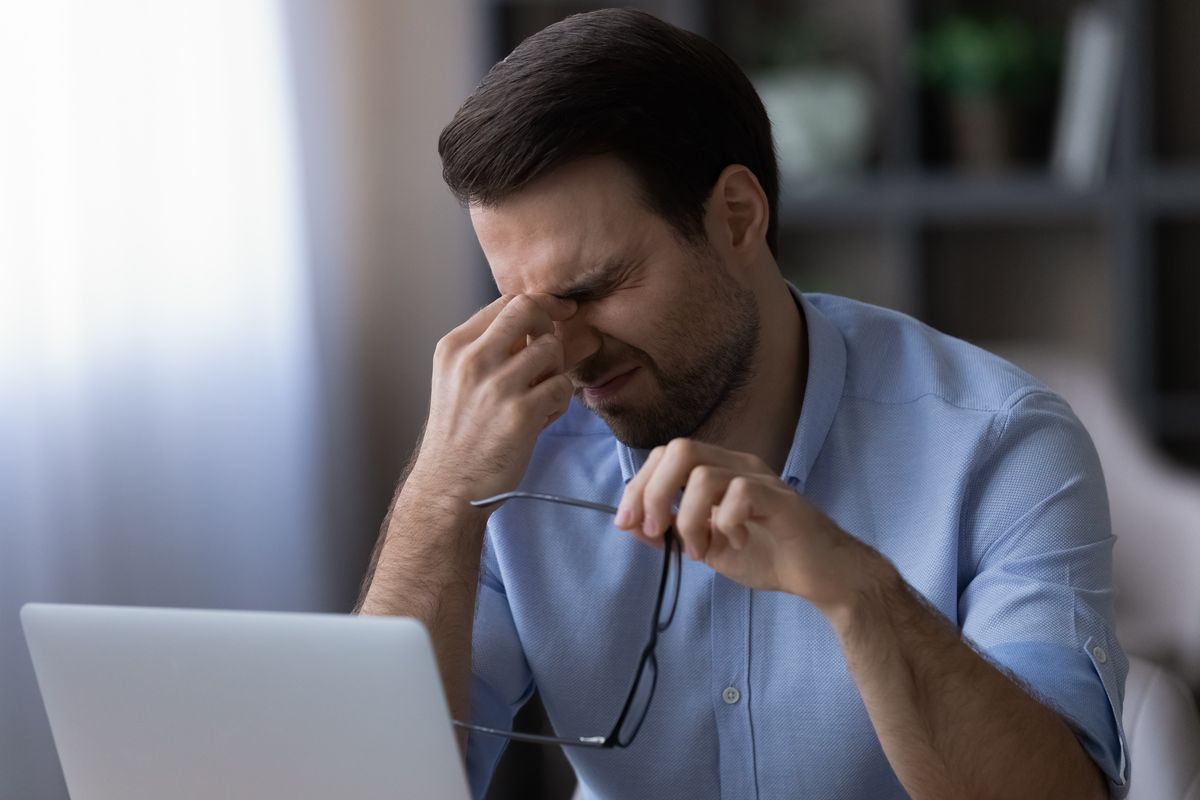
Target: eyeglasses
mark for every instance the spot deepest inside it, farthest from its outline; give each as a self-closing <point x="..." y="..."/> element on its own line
<point x="637" y="704"/>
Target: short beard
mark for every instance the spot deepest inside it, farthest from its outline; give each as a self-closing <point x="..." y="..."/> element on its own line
<point x="708" y="369"/>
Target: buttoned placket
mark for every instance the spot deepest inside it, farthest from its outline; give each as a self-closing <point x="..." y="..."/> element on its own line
<point x="732" y="607"/>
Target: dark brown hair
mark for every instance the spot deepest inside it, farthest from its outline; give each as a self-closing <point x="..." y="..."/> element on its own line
<point x="620" y="82"/>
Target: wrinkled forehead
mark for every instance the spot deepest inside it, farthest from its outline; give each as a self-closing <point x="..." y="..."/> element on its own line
<point x="572" y="221"/>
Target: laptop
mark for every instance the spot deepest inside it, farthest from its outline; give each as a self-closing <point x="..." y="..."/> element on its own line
<point x="154" y="703"/>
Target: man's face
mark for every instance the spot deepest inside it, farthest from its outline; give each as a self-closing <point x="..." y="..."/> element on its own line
<point x="664" y="334"/>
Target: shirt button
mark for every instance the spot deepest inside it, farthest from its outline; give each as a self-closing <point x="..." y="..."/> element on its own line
<point x="731" y="695"/>
<point x="1099" y="654"/>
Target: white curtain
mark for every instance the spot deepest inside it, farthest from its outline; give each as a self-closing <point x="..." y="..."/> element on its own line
<point x="159" y="415"/>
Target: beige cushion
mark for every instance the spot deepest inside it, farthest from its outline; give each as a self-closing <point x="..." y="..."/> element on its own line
<point x="1163" y="732"/>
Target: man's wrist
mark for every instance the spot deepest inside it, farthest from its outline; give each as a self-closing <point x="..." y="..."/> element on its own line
<point x="430" y="537"/>
<point x="873" y="585"/>
<point x="430" y="515"/>
<point x="426" y="491"/>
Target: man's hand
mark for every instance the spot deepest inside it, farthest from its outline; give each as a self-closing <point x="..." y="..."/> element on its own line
<point x="498" y="381"/>
<point x="739" y="518"/>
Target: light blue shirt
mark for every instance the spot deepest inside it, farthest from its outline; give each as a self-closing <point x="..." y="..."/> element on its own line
<point x="975" y="480"/>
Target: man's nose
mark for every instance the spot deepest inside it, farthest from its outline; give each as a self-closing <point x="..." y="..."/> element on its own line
<point x="580" y="340"/>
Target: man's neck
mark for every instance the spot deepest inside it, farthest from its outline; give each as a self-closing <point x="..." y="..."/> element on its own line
<point x="762" y="418"/>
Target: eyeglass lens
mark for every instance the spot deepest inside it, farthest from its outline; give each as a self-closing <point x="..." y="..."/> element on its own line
<point x="670" y="596"/>
<point x="640" y="703"/>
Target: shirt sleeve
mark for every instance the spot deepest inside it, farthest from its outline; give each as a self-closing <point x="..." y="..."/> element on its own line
<point x="501" y="680"/>
<point x="1038" y="602"/>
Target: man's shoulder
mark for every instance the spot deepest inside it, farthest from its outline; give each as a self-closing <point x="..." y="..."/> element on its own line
<point x="895" y="359"/>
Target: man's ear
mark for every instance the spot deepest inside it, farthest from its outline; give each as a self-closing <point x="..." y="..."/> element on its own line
<point x="738" y="214"/>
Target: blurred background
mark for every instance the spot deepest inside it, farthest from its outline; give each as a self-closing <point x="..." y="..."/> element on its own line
<point x="226" y="254"/>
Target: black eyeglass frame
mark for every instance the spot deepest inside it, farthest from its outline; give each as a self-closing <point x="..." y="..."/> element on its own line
<point x="613" y="739"/>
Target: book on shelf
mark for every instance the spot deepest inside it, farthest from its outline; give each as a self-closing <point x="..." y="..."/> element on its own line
<point x="1087" y="114"/>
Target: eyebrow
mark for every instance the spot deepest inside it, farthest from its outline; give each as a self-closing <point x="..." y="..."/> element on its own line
<point x="598" y="279"/>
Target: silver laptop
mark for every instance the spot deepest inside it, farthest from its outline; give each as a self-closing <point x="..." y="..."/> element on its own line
<point x="165" y="704"/>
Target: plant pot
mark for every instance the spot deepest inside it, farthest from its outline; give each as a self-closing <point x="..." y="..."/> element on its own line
<point x="983" y="132"/>
<point x="821" y="118"/>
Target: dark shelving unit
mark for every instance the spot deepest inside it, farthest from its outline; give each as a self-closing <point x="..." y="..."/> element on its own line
<point x="897" y="233"/>
<point x="934" y="233"/>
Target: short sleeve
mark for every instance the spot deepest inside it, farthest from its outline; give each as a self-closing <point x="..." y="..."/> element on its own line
<point x="1038" y="550"/>
<point x="501" y="680"/>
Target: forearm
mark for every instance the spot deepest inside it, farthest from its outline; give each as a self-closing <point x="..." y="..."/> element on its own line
<point x="427" y="567"/>
<point x="951" y="724"/>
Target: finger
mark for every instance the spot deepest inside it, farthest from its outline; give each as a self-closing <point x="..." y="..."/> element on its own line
<point x="540" y="360"/>
<point x="556" y="309"/>
<point x="633" y="501"/>
<point x="705" y="488"/>
<point x="742" y="463"/>
<point x="548" y="400"/>
<point x="746" y="499"/>
<point x="737" y="537"/>
<point x="474" y="327"/>
<point x="629" y="511"/>
<point x="508" y="332"/>
<point x="665" y="483"/>
<point x="526" y="315"/>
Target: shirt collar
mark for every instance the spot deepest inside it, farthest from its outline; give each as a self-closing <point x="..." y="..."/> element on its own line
<point x="822" y="391"/>
<point x="822" y="396"/>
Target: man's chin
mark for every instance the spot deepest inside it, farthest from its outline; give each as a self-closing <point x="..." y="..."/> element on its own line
<point x="635" y="428"/>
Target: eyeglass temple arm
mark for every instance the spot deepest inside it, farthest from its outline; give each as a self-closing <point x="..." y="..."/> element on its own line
<point x="581" y="741"/>
<point x="553" y="498"/>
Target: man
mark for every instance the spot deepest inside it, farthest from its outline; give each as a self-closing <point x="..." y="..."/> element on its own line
<point x="897" y="571"/>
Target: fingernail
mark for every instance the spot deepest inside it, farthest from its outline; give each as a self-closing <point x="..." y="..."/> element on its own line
<point x="649" y="527"/>
<point x="623" y="517"/>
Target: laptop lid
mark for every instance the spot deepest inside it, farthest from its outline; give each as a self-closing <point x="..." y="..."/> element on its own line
<point x="150" y="703"/>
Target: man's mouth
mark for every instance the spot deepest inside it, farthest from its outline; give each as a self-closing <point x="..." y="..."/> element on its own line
<point x="608" y="386"/>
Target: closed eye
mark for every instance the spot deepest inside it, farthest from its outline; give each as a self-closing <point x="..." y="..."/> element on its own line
<point x="602" y="284"/>
<point x="588" y="295"/>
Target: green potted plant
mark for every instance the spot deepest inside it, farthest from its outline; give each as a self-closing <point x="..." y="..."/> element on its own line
<point x="990" y="76"/>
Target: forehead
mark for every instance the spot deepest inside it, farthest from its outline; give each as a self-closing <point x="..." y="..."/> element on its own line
<point x="569" y="222"/>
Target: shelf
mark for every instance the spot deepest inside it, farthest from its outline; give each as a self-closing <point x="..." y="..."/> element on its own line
<point x="943" y="199"/>
<point x="1176" y="191"/>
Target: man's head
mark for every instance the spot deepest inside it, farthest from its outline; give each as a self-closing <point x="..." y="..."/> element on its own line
<point x="627" y="164"/>
<point x="668" y="103"/>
